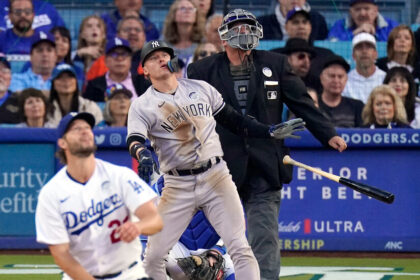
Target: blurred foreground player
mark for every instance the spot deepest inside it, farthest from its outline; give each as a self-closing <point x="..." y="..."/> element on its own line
<point x="85" y="212"/>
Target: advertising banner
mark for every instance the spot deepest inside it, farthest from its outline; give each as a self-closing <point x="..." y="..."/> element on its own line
<point x="319" y="214"/>
<point x="316" y="214"/>
<point x="25" y="168"/>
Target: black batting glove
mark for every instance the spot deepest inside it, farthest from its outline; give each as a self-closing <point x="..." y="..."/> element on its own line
<point x="146" y="165"/>
<point x="286" y="129"/>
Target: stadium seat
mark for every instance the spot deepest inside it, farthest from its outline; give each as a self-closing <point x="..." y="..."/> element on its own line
<point x="415" y="26"/>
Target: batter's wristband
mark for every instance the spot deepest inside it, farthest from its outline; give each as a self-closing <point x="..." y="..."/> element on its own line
<point x="134" y="148"/>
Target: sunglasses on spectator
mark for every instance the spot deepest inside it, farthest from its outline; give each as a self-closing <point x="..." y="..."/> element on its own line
<point x="119" y="54"/>
<point x="19" y="12"/>
<point x="302" y="56"/>
<point x="187" y="9"/>
<point x="205" y="53"/>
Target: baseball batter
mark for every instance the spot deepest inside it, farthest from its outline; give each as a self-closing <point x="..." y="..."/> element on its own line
<point x="178" y="116"/>
<point x="85" y="212"/>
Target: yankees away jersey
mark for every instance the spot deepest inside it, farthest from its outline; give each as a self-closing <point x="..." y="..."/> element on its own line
<point x="180" y="126"/>
<point x="87" y="215"/>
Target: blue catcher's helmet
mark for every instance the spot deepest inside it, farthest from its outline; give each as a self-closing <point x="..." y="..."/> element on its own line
<point x="246" y="35"/>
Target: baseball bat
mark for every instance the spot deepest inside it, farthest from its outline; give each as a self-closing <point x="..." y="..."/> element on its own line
<point x="373" y="192"/>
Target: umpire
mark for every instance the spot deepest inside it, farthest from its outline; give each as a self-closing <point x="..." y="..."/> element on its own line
<point x="257" y="83"/>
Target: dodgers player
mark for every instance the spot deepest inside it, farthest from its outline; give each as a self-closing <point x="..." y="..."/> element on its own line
<point x="85" y="212"/>
<point x="178" y="116"/>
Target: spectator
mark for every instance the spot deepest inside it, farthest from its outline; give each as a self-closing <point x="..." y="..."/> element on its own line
<point x="65" y="96"/>
<point x="299" y="26"/>
<point x="401" y="51"/>
<point x="274" y="25"/>
<point x="117" y="105"/>
<point x="125" y="7"/>
<point x="342" y="111"/>
<point x="46" y="16"/>
<point x="8" y="100"/>
<point x="363" y="17"/>
<point x="204" y="50"/>
<point x="418" y="17"/>
<point x="16" y="42"/>
<point x="118" y="61"/>
<point x="362" y="80"/>
<point x="211" y="31"/>
<point x="299" y="55"/>
<point x="130" y="28"/>
<point x="33" y="109"/>
<point x="401" y="80"/>
<point x="384" y="109"/>
<point x="43" y="61"/>
<point x="91" y="42"/>
<point x="62" y="40"/>
<point x="205" y="7"/>
<point x="183" y="29"/>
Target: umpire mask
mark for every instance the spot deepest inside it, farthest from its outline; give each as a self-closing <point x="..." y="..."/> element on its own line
<point x="241" y="30"/>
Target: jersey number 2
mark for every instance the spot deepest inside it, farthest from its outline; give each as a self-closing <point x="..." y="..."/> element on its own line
<point x="116" y="223"/>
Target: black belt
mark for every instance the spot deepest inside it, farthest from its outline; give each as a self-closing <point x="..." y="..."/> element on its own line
<point x="186" y="172"/>
<point x="113" y="275"/>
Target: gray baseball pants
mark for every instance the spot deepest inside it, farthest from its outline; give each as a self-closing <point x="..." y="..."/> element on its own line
<point x="215" y="193"/>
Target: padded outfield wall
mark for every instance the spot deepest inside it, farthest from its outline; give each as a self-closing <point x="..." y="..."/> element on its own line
<point x="316" y="214"/>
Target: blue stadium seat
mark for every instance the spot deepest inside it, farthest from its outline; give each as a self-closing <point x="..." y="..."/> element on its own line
<point x="270" y="44"/>
<point x="415" y="26"/>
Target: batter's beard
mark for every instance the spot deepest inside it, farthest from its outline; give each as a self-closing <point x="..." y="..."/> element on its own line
<point x="82" y="152"/>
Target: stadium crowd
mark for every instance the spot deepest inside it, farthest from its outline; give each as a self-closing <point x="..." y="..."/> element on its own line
<point x="34" y="37"/>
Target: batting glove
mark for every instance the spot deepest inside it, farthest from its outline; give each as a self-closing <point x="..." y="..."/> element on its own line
<point x="146" y="165"/>
<point x="286" y="129"/>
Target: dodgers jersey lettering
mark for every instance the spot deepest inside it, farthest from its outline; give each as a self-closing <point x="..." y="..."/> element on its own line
<point x="87" y="215"/>
<point x="180" y="126"/>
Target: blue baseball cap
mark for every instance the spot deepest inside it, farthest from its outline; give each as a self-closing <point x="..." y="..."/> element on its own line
<point x="68" y="119"/>
<point x="352" y="2"/>
<point x="115" y="89"/>
<point x="63" y="67"/>
<point x="297" y="10"/>
<point x="3" y="59"/>
<point x="117" y="42"/>
<point x="40" y="37"/>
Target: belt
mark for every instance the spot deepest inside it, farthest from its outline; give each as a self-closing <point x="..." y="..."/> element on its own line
<point x="186" y="172"/>
<point x="113" y="275"/>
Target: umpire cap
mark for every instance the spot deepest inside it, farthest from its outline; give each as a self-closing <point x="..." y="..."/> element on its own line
<point x="152" y="46"/>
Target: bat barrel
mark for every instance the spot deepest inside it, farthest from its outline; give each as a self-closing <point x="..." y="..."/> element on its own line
<point x="373" y="192"/>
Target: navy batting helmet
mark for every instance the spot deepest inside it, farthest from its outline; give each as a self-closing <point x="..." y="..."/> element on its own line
<point x="245" y="36"/>
<point x="152" y="46"/>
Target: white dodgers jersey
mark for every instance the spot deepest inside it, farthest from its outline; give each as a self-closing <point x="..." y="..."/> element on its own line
<point x="87" y="215"/>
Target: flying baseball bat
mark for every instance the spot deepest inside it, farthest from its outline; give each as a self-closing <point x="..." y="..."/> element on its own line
<point x="373" y="192"/>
